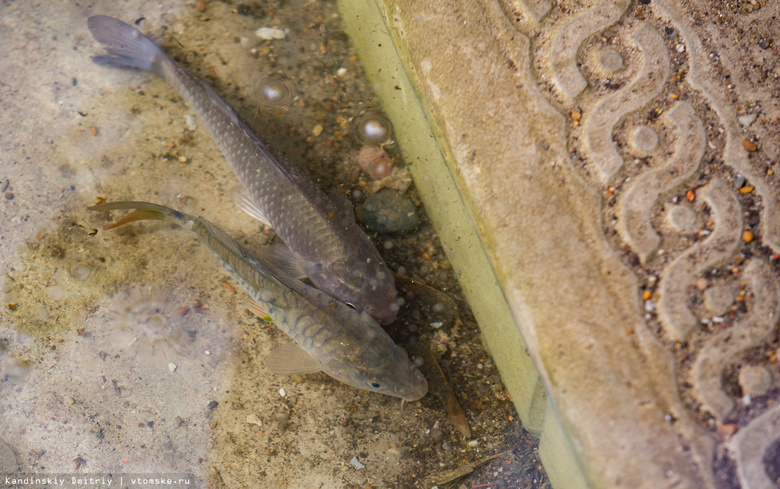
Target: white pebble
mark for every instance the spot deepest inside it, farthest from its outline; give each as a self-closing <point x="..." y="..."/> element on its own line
<point x="253" y="419"/>
<point x="341" y="71"/>
<point x="270" y="33"/>
<point x="191" y="124"/>
<point x="172" y="367"/>
<point x="282" y="392"/>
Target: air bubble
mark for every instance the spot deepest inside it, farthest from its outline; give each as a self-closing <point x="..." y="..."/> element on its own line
<point x="373" y="128"/>
<point x="275" y="91"/>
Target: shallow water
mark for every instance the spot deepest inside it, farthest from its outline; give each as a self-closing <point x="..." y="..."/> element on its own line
<point x="130" y="351"/>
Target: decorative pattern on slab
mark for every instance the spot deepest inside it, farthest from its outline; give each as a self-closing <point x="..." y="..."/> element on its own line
<point x="647" y="84"/>
<point x="725" y="346"/>
<point x="701" y="77"/>
<point x="570" y="37"/>
<point x="652" y="127"/>
<point x="682" y="272"/>
<point x="636" y="203"/>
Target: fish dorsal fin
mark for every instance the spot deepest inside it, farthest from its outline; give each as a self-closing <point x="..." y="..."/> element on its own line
<point x="281" y="258"/>
<point x="242" y="200"/>
<point x="290" y="359"/>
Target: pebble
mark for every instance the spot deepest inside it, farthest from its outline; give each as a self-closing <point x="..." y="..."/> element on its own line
<point x="749" y="145"/>
<point x="388" y="211"/>
<point x="747" y="119"/>
<point x="317" y="130"/>
<point x="253" y="419"/>
<point x="270" y="33"/>
<point x="747" y="236"/>
<point x="356" y="463"/>
<point x="282" y="392"/>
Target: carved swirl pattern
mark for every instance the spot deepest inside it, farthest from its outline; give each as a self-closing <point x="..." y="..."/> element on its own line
<point x="648" y="84"/>
<point x="678" y="277"/>
<point x="637" y="201"/>
<point x="621" y="71"/>
<point x="725" y="346"/>
<point x="570" y="37"/>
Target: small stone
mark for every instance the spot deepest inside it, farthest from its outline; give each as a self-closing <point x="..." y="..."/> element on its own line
<point x="68" y="400"/>
<point x="755" y="380"/>
<point x="388" y="211"/>
<point x="212" y="405"/>
<point x="317" y="130"/>
<point x="749" y="145"/>
<point x="282" y="392"/>
<point x="253" y="419"/>
<point x="746" y="190"/>
<point x="270" y="33"/>
<point x="182" y="159"/>
<point x="681" y="48"/>
<point x="341" y="71"/>
<point x="747" y="236"/>
<point x="739" y="182"/>
<point x="356" y="463"/>
<point x="172" y="367"/>
<point x="747" y="119"/>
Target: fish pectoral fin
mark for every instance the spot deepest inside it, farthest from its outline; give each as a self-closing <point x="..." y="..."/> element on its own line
<point x="280" y="257"/>
<point x="290" y="359"/>
<point x="245" y="202"/>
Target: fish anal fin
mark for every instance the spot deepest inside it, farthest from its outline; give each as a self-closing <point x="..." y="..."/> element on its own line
<point x="290" y="359"/>
<point x="254" y="307"/>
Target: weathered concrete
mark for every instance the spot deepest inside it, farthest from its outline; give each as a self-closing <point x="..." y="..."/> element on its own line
<point x="593" y="156"/>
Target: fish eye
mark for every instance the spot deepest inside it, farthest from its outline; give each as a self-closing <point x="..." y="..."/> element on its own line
<point x="374" y="384"/>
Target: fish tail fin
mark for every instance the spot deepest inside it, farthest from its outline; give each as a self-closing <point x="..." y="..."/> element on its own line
<point x="126" y="46"/>
<point x="143" y="211"/>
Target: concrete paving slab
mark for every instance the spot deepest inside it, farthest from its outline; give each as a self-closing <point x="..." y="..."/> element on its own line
<point x="616" y="162"/>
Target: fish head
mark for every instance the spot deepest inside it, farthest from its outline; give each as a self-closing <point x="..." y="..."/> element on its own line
<point x="370" y="360"/>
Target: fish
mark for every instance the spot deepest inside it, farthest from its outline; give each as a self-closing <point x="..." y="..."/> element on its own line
<point x="321" y="238"/>
<point x="327" y="334"/>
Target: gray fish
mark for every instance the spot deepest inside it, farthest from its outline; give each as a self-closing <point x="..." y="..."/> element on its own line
<point x="320" y="231"/>
<point x="331" y="337"/>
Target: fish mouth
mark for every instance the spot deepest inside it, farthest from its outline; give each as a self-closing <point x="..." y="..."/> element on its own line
<point x="418" y="393"/>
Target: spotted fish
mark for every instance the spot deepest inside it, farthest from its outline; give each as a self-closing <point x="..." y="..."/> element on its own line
<point x="329" y="336"/>
<point x="319" y="230"/>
